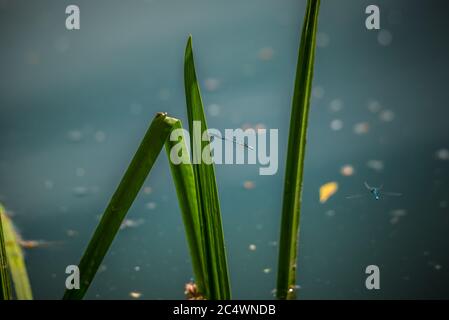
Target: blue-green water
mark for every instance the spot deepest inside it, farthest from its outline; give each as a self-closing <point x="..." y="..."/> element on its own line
<point x="75" y="104"/>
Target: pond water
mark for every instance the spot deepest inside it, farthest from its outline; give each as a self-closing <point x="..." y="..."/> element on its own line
<point x="74" y="106"/>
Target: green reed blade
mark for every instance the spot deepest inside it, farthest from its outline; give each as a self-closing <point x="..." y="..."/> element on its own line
<point x="216" y="269"/>
<point x="16" y="261"/>
<point x="288" y="243"/>
<point x="185" y="185"/>
<point x="5" y="285"/>
<point x="121" y="201"/>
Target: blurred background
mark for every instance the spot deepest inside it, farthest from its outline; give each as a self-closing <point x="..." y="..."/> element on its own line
<point x="74" y="106"/>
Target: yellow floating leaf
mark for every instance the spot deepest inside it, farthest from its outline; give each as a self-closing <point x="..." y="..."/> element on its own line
<point x="135" y="294"/>
<point x="327" y="190"/>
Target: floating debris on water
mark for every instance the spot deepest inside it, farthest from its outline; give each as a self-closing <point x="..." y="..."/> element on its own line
<point x="330" y="213"/>
<point x="135" y="294"/>
<point x="273" y="243"/>
<point x="336" y="124"/>
<point x="267" y="270"/>
<point x="130" y="223"/>
<point x="398" y="212"/>
<point x="213" y="110"/>
<point x="384" y="37"/>
<point x="147" y="190"/>
<point x="347" y="170"/>
<point x="211" y="84"/>
<point x="361" y="128"/>
<point x="327" y="190"/>
<point x="255" y="127"/>
<point x="32" y="244"/>
<point x="394" y="220"/>
<point x="376" y="165"/>
<point x="397" y="215"/>
<point x="191" y="291"/>
<point x="435" y="265"/>
<point x="374" y="106"/>
<point x="252" y="247"/>
<point x="318" y="92"/>
<point x="151" y="205"/>
<point x="266" y="53"/>
<point x="386" y="116"/>
<point x="249" y="185"/>
<point x="294" y="288"/>
<point x="71" y="233"/>
<point x="80" y="191"/>
<point x="322" y="40"/>
<point x="442" y="154"/>
<point x="75" y="135"/>
<point x="100" y="136"/>
<point x="336" y="105"/>
<point x="137" y="268"/>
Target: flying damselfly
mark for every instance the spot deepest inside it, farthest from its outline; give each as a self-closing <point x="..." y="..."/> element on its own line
<point x="376" y="192"/>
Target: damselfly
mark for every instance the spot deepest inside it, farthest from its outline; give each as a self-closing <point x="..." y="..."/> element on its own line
<point x="375" y="192"/>
<point x="233" y="140"/>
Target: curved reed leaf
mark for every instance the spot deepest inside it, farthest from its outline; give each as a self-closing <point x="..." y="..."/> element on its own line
<point x="288" y="243"/>
<point x="216" y="269"/>
<point x="16" y="261"/>
<point x="121" y="201"/>
<point x="184" y="180"/>
<point x="5" y="285"/>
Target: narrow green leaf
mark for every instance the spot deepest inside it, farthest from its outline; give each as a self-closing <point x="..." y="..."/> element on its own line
<point x="288" y="243"/>
<point x="184" y="180"/>
<point x="5" y="285"/>
<point x="121" y="201"/>
<point x="216" y="270"/>
<point x="16" y="261"/>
